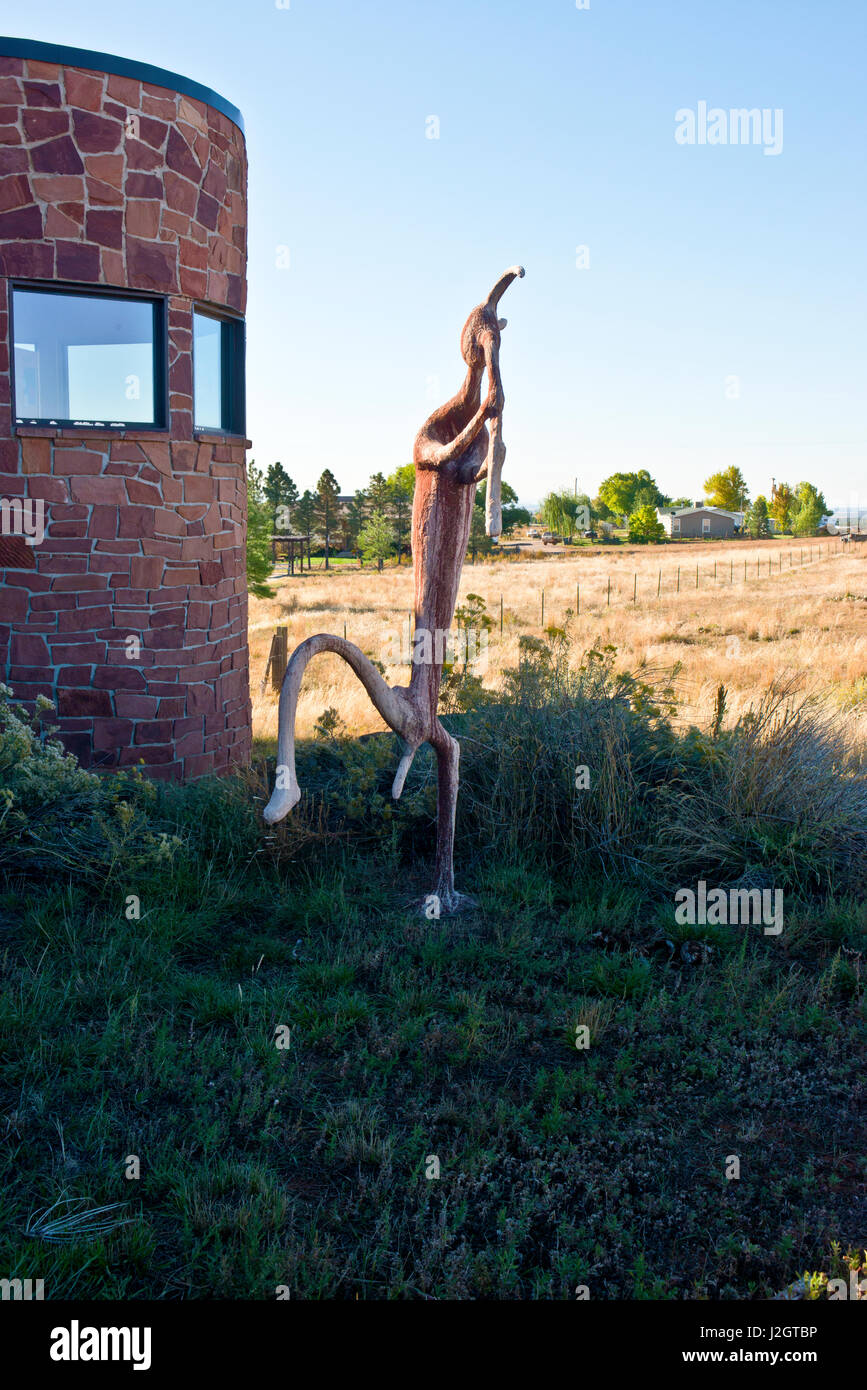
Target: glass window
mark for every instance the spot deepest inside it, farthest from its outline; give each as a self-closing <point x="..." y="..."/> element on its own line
<point x="218" y="373"/>
<point x="705" y="525"/>
<point x="87" y="359"/>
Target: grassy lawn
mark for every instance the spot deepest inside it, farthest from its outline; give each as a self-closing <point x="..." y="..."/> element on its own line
<point x="308" y="1165"/>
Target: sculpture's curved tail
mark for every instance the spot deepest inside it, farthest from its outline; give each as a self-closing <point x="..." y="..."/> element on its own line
<point x="387" y="699"/>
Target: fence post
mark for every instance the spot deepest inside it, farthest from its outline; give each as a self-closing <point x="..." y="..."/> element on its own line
<point x="609" y="591"/>
<point x="678" y="579"/>
<point x="279" y="656"/>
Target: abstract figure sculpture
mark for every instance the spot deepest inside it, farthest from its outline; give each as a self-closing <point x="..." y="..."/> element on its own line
<point x="452" y="453"/>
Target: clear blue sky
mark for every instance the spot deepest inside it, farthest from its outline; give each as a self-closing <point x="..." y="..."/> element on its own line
<point x="556" y="130"/>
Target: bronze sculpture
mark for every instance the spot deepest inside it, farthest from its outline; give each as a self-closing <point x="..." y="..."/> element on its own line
<point x="453" y="452"/>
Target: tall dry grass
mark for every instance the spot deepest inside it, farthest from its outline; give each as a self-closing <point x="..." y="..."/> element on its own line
<point x="806" y="624"/>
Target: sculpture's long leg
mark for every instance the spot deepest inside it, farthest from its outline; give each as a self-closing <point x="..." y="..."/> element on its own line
<point x="448" y="753"/>
<point x="391" y="702"/>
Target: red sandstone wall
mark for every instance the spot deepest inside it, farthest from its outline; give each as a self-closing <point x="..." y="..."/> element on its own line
<point x="145" y="532"/>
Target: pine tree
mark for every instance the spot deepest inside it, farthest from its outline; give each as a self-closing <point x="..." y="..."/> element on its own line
<point x="757" y="518"/>
<point x="378" y="494"/>
<point x="259" y="562"/>
<point x="281" y="492"/>
<point x="305" y="517"/>
<point x="327" y="507"/>
<point x="354" y="518"/>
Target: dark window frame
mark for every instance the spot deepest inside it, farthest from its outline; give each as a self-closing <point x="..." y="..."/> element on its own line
<point x="233" y="371"/>
<point x="160" y="423"/>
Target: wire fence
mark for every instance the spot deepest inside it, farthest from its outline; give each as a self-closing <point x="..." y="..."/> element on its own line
<point x="670" y="582"/>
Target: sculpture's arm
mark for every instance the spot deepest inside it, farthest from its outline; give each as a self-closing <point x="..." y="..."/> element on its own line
<point x="494" y="412"/>
<point x="445" y="453"/>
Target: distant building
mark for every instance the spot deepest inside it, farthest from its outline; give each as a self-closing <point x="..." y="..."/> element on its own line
<point x="694" y="522"/>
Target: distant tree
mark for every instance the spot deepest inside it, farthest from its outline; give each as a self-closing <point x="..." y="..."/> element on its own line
<point x="305" y="515"/>
<point x="644" y="526"/>
<point x="620" y="490"/>
<point x="280" y="491"/>
<point x="327" y="508"/>
<point x="259" y="562"/>
<point x="678" y="502"/>
<point x="782" y="506"/>
<point x="727" y="489"/>
<point x="807" y="495"/>
<point x="376" y="537"/>
<point x="401" y="485"/>
<point x="809" y="508"/>
<point x="757" y="518"/>
<point x="646" y="497"/>
<point x="480" y="542"/>
<point x="512" y="515"/>
<point x="353" y="519"/>
<point x="559" y="512"/>
<point x="378" y="494"/>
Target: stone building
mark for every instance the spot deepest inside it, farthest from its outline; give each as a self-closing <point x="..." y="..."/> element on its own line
<point x="122" y="433"/>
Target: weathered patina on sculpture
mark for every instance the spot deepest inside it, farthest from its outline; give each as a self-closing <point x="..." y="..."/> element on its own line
<point x="453" y="452"/>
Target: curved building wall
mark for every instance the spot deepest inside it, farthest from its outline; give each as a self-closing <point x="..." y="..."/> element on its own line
<point x="131" y="612"/>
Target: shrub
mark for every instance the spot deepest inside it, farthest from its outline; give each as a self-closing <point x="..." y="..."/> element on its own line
<point x="55" y="815"/>
<point x="644" y="526"/>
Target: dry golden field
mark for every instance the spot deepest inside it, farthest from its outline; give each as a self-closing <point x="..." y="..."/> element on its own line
<point x="807" y="622"/>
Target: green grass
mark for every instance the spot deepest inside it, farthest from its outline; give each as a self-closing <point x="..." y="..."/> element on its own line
<point x="410" y="1039"/>
<point x="305" y="1166"/>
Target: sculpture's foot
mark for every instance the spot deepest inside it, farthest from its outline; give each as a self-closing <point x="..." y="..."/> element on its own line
<point x="445" y="903"/>
<point x="281" y="804"/>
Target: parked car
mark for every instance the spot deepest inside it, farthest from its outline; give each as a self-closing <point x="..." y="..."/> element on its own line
<point x="589" y="535"/>
<point x="549" y="538"/>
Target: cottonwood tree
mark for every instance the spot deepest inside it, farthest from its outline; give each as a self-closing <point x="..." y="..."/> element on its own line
<point x="782" y="506"/>
<point x="810" y="508"/>
<point x="620" y="492"/>
<point x="727" y="489"/>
